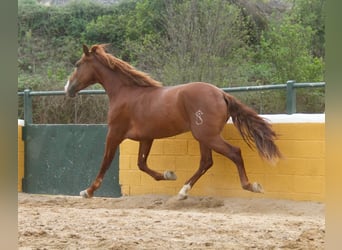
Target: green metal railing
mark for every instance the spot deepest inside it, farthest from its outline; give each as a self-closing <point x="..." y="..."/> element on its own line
<point x="290" y="87"/>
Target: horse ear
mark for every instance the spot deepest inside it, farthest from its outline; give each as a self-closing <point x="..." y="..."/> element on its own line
<point x="85" y="50"/>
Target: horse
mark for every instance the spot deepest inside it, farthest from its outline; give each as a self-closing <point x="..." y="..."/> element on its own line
<point x="141" y="109"/>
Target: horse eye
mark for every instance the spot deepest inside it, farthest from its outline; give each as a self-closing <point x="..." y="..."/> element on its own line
<point x="77" y="64"/>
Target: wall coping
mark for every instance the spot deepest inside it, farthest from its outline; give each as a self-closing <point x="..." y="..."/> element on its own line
<point x="275" y="118"/>
<point x="21" y="122"/>
<point x="294" y="118"/>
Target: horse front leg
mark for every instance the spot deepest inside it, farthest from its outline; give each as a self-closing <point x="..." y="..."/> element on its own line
<point x="144" y="150"/>
<point x="205" y="163"/>
<point x="110" y="149"/>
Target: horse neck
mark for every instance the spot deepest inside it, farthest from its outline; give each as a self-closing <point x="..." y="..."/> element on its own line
<point x="115" y="83"/>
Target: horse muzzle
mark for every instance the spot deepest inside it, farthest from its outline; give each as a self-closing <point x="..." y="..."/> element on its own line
<point x="69" y="89"/>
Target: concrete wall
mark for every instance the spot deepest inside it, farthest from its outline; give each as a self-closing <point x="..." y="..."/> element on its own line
<point x="299" y="176"/>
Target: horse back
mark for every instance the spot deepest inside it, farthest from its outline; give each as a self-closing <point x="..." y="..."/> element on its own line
<point x="157" y="112"/>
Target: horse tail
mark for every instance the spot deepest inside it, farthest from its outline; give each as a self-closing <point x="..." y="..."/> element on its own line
<point x="253" y="129"/>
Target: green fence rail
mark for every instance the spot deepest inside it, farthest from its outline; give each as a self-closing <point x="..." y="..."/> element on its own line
<point x="289" y="86"/>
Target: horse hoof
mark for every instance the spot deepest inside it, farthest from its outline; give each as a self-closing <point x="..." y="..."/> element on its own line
<point x="170" y="175"/>
<point x="181" y="197"/>
<point x="257" y="188"/>
<point x="84" y="194"/>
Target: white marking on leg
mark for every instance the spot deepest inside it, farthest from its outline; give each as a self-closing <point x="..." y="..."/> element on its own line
<point x="183" y="193"/>
<point x="84" y="194"/>
<point x="199" y="119"/>
<point x="66" y="86"/>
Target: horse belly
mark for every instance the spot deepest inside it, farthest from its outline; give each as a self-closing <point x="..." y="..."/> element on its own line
<point x="166" y="129"/>
<point x="160" y="126"/>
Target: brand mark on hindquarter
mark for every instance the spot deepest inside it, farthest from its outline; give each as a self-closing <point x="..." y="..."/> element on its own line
<point x="199" y="119"/>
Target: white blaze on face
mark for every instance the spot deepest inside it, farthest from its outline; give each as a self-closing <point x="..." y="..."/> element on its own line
<point x="66" y="86"/>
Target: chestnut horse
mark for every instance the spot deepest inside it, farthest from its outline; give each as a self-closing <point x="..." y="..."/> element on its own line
<point x="141" y="109"/>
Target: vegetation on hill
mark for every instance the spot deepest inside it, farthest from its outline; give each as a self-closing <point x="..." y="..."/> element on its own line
<point x="224" y="42"/>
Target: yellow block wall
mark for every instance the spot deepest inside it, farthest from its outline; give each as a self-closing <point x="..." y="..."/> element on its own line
<point x="299" y="176"/>
<point x="20" y="159"/>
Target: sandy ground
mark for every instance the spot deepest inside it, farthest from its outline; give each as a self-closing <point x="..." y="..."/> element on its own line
<point x="162" y="222"/>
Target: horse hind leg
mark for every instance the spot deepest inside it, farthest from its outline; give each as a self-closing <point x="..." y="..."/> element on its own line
<point x="205" y="163"/>
<point x="234" y="154"/>
<point x="144" y="150"/>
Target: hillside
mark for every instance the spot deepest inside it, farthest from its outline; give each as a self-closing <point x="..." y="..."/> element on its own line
<point x="240" y="42"/>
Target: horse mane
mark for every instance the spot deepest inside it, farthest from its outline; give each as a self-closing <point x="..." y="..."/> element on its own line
<point x="138" y="78"/>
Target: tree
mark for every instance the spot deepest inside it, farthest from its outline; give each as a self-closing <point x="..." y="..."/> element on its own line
<point x="311" y="13"/>
<point x="200" y="42"/>
<point x="285" y="48"/>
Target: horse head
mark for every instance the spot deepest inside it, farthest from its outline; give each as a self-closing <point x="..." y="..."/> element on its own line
<point x="84" y="73"/>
